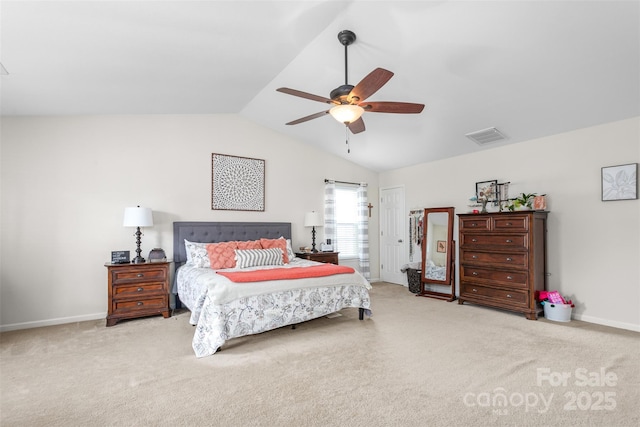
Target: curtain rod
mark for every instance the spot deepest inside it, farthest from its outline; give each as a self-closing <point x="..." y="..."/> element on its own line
<point x="344" y="182"/>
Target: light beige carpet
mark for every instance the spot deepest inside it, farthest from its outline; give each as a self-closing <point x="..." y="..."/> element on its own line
<point x="416" y="362"/>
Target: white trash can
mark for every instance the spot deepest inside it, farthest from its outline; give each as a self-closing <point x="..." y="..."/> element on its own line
<point x="557" y="312"/>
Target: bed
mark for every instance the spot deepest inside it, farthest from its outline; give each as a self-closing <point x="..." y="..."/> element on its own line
<point x="222" y="309"/>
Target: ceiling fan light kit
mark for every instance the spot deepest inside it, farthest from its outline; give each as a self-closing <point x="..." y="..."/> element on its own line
<point x="349" y="101"/>
<point x="346" y="113"/>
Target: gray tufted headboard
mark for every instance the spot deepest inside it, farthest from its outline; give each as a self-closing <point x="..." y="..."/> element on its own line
<point x="212" y="232"/>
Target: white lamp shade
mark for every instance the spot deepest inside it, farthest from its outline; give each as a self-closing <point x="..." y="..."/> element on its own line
<point x="346" y="113"/>
<point x="137" y="217"/>
<point x="313" y="219"/>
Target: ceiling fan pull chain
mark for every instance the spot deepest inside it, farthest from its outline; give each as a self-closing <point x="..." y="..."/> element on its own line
<point x="346" y="132"/>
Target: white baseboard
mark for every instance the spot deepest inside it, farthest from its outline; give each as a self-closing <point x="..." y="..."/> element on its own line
<point x="605" y="322"/>
<point x="51" y="322"/>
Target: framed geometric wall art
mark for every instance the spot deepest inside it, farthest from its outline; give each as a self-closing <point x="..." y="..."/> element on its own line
<point x="237" y="183"/>
<point x="620" y="182"/>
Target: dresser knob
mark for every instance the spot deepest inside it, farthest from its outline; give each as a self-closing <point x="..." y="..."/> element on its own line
<point x="474" y="256"/>
<point x="509" y="278"/>
<point x="509" y="259"/>
<point x="474" y="290"/>
<point x="508" y="296"/>
<point x="473" y="224"/>
<point x="509" y="241"/>
<point x="508" y="223"/>
<point x="140" y="303"/>
<point x="475" y="273"/>
<point x="140" y="275"/>
<point x="139" y="290"/>
<point x="474" y="240"/>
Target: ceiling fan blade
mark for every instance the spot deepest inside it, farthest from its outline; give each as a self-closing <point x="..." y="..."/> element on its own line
<point x="392" y="107"/>
<point x="357" y="126"/>
<point x="305" y="95"/>
<point x="307" y="118"/>
<point x="370" y="85"/>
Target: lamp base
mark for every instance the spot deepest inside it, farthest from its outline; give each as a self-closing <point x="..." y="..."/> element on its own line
<point x="138" y="260"/>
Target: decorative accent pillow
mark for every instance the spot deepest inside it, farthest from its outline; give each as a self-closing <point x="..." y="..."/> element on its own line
<point x="276" y="243"/>
<point x="257" y="257"/>
<point x="290" y="252"/>
<point x="222" y="255"/>
<point x="197" y="255"/>
<point x="249" y="244"/>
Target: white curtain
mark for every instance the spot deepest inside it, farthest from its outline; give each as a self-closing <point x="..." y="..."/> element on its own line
<point x="330" y="211"/>
<point x="363" y="230"/>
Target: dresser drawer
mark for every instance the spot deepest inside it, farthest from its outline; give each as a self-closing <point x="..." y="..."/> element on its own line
<point x="141" y="304"/>
<point x="503" y="241"/>
<point x="139" y="291"/>
<point x="475" y="223"/>
<point x="515" y="260"/>
<point x="509" y="297"/>
<point x="138" y="275"/>
<point x="511" y="223"/>
<point x="512" y="279"/>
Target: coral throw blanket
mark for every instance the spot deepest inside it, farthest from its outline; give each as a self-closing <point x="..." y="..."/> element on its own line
<point x="286" y="273"/>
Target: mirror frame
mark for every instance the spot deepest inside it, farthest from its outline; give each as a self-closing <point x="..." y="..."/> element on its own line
<point x="449" y="259"/>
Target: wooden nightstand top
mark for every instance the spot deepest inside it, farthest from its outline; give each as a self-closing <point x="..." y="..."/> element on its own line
<point x="328" y="257"/>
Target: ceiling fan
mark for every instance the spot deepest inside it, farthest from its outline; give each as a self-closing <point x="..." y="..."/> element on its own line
<point x="349" y="101"/>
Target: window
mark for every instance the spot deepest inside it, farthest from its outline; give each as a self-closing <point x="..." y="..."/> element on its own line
<point x="346" y="209"/>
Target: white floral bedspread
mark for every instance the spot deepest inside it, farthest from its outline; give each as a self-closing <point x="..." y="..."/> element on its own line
<point x="222" y="309"/>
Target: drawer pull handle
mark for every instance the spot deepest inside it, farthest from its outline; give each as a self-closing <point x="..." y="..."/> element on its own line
<point x="474" y="290"/>
<point x="140" y="275"/>
<point x="474" y="256"/>
<point x="508" y="296"/>
<point x="139" y="290"/>
<point x="140" y="303"/>
<point x="475" y="273"/>
<point x="473" y="224"/>
<point x="509" y="223"/>
<point x="474" y="240"/>
<point x="509" y="278"/>
<point x="509" y="241"/>
<point x="509" y="259"/>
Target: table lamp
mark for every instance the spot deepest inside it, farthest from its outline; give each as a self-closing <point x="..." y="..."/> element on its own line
<point x="313" y="220"/>
<point x="138" y="217"/>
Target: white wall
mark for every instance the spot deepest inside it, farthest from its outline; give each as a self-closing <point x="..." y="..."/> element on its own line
<point x="593" y="246"/>
<point x="67" y="180"/>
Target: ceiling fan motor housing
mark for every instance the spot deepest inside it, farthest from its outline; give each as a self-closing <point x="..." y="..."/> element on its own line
<point x="341" y="93"/>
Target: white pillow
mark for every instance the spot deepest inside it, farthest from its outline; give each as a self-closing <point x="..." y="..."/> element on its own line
<point x="197" y="255"/>
<point x="290" y="254"/>
<point x="257" y="257"/>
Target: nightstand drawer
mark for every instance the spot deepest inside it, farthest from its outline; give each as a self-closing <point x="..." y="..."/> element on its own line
<point x="156" y="303"/>
<point x="139" y="291"/>
<point x="138" y="275"/>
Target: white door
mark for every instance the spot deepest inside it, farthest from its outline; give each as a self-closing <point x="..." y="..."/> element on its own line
<point x="392" y="235"/>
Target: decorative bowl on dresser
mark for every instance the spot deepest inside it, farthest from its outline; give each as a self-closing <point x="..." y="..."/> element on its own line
<point x="138" y="290"/>
<point x="503" y="260"/>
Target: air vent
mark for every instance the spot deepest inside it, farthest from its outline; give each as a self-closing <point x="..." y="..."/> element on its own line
<point x="486" y="136"/>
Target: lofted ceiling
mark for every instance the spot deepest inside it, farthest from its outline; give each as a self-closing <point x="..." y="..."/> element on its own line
<point x="528" y="68"/>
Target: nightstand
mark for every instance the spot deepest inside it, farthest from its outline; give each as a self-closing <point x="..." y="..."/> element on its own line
<point x="138" y="290"/>
<point x="327" y="257"/>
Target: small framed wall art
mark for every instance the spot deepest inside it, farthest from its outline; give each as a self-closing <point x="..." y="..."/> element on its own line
<point x="237" y="183"/>
<point x="620" y="182"/>
<point x="486" y="190"/>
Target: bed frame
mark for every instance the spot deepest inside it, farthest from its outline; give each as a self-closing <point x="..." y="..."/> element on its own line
<point x="214" y="232"/>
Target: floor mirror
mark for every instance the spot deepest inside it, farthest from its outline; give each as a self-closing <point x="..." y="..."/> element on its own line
<point x="438" y="255"/>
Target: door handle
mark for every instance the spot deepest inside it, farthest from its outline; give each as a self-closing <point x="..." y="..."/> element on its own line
<point x="400" y="241"/>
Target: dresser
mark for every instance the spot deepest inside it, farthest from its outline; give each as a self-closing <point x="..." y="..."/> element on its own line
<point x="137" y="290"/>
<point x="503" y="260"/>
<point x="327" y="257"/>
